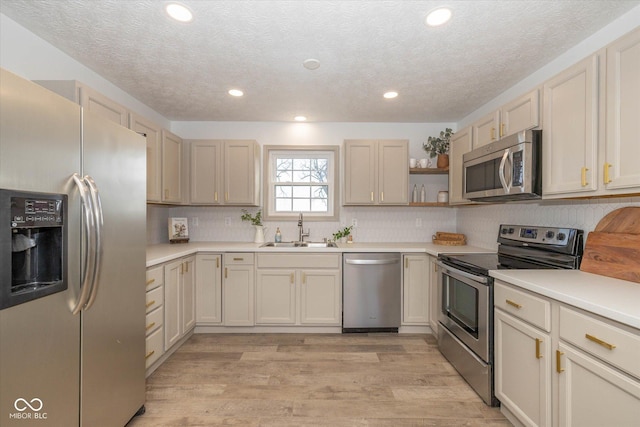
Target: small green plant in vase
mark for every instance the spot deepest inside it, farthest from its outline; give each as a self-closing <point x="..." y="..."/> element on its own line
<point x="256" y="221"/>
<point x="342" y="233"/>
<point x="439" y="146"/>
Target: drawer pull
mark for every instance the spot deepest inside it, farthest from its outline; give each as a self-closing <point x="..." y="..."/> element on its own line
<point x="150" y="303"/>
<point x="599" y="341"/>
<point x="513" y="304"/>
<point x="304" y="278"/>
<point x="538" y="354"/>
<point x="148" y="355"/>
<point x="291" y="280"/>
<point x="225" y="272"/>
<point x="151" y="325"/>
<point x="150" y="281"/>
<point x="238" y="259"/>
<point x="559" y="362"/>
<point x="217" y="262"/>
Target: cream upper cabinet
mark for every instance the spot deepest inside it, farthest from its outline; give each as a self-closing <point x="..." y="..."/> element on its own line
<point x="461" y="143"/>
<point x="225" y="172"/>
<point x="520" y="114"/>
<point x="208" y="289"/>
<point x="621" y="169"/>
<point x="376" y="172"/>
<point x="570" y="131"/>
<point x="88" y="98"/>
<point x="153" y="135"/>
<point x="415" y="290"/>
<point x="171" y="167"/>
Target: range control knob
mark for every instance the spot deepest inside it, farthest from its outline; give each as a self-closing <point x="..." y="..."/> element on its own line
<point x="511" y="230"/>
<point x="550" y="234"/>
<point x="561" y="236"/>
<point x="504" y="231"/>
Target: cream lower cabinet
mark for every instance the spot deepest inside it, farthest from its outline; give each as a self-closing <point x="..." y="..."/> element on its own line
<point x="298" y="289"/>
<point x="434" y="297"/>
<point x="208" y="289"/>
<point x="238" y="289"/>
<point x="179" y="299"/>
<point x="415" y="289"/>
<point x="376" y="172"/>
<point x="155" y="315"/>
<point x="557" y="365"/>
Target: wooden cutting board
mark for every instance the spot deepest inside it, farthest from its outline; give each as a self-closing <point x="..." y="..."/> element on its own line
<point x="613" y="248"/>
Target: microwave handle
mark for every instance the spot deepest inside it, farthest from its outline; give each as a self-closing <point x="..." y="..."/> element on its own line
<point x="506" y="185"/>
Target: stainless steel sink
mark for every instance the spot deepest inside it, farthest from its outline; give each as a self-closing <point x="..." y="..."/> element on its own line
<point x="299" y="245"/>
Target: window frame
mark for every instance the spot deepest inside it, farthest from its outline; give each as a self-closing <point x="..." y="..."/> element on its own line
<point x="269" y="213"/>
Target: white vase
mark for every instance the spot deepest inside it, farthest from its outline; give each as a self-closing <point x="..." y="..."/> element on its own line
<point x="259" y="234"/>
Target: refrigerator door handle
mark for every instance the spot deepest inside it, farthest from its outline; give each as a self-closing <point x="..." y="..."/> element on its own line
<point x="89" y="254"/>
<point x="98" y="217"/>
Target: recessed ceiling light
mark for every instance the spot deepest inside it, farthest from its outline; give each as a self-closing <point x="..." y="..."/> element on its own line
<point x="390" y="95"/>
<point x="235" y="92"/>
<point x="438" y="16"/>
<point x="300" y="118"/>
<point x="179" y="12"/>
<point x="311" y="64"/>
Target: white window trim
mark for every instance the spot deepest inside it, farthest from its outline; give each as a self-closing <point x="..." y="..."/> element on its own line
<point x="269" y="213"/>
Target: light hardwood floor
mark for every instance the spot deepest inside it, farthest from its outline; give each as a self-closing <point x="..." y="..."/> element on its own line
<point x="311" y="380"/>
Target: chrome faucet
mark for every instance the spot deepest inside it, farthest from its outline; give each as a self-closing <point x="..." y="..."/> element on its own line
<point x="301" y="233"/>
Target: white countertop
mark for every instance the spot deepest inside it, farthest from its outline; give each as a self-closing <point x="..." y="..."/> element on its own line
<point x="160" y="253"/>
<point x="614" y="299"/>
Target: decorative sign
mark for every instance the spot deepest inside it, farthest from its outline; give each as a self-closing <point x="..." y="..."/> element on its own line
<point x="178" y="230"/>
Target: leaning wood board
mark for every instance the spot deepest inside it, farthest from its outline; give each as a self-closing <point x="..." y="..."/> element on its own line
<point x="613" y="249"/>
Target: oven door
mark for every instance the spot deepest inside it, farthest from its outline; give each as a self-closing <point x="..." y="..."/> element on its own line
<point x="464" y="308"/>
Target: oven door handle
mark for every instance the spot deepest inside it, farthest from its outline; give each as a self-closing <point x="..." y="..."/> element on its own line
<point x="473" y="277"/>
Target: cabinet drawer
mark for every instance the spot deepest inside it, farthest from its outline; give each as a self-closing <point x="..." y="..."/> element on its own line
<point x="155" y="298"/>
<point x="240" y="258"/>
<point x="154" y="320"/>
<point x="610" y="343"/>
<point x="290" y="260"/>
<point x="155" y="277"/>
<point x="154" y="346"/>
<point x="527" y="307"/>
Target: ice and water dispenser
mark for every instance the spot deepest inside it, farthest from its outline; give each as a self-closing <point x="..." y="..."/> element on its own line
<point x="32" y="246"/>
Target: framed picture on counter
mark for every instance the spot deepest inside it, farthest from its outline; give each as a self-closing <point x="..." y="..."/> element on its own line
<point x="178" y="230"/>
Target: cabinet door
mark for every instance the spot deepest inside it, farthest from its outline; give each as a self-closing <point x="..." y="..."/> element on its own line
<point x="206" y="172"/>
<point x="188" y="294"/>
<point x="623" y="115"/>
<point x="153" y="135"/>
<point x="485" y="129"/>
<point x="523" y="369"/>
<point x="360" y="173"/>
<point x="320" y="297"/>
<point x="276" y="297"/>
<point x="171" y="167"/>
<point x="520" y="114"/>
<point x="240" y="173"/>
<point x="591" y="393"/>
<point x="105" y="107"/>
<point x="237" y="295"/>
<point x="570" y="137"/>
<point x="415" y="308"/>
<point x="461" y="143"/>
<point x="393" y="172"/>
<point x="434" y="298"/>
<point x="208" y="289"/>
<point x="172" y="303"/>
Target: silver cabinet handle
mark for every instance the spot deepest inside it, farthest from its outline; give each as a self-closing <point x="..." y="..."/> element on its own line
<point x="371" y="261"/>
<point x="89" y="255"/>
<point x="99" y="221"/>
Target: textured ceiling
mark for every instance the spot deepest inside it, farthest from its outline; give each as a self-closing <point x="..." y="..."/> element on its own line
<point x="183" y="71"/>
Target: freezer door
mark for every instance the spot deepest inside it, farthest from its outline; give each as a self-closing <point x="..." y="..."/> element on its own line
<point x="113" y="327"/>
<point x="39" y="340"/>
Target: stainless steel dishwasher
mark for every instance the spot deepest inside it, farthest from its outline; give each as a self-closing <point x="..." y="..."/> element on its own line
<point x="371" y="293"/>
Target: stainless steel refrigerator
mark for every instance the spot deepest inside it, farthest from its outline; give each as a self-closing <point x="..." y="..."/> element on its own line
<point x="85" y="369"/>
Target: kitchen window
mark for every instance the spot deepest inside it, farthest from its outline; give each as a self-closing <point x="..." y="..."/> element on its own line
<point x="301" y="179"/>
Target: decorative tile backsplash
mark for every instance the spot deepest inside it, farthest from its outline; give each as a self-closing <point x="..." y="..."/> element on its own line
<point x="392" y="224"/>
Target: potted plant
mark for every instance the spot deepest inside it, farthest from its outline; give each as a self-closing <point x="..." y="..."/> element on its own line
<point x="439" y="146"/>
<point x="256" y="221"/>
<point x="340" y="234"/>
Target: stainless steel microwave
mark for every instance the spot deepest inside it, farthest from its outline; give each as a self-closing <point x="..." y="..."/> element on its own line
<point x="505" y="170"/>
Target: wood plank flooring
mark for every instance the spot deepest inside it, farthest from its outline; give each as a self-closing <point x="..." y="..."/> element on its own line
<point x="311" y="380"/>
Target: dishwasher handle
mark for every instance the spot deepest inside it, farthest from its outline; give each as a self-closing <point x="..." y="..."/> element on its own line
<point x="372" y="261"/>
